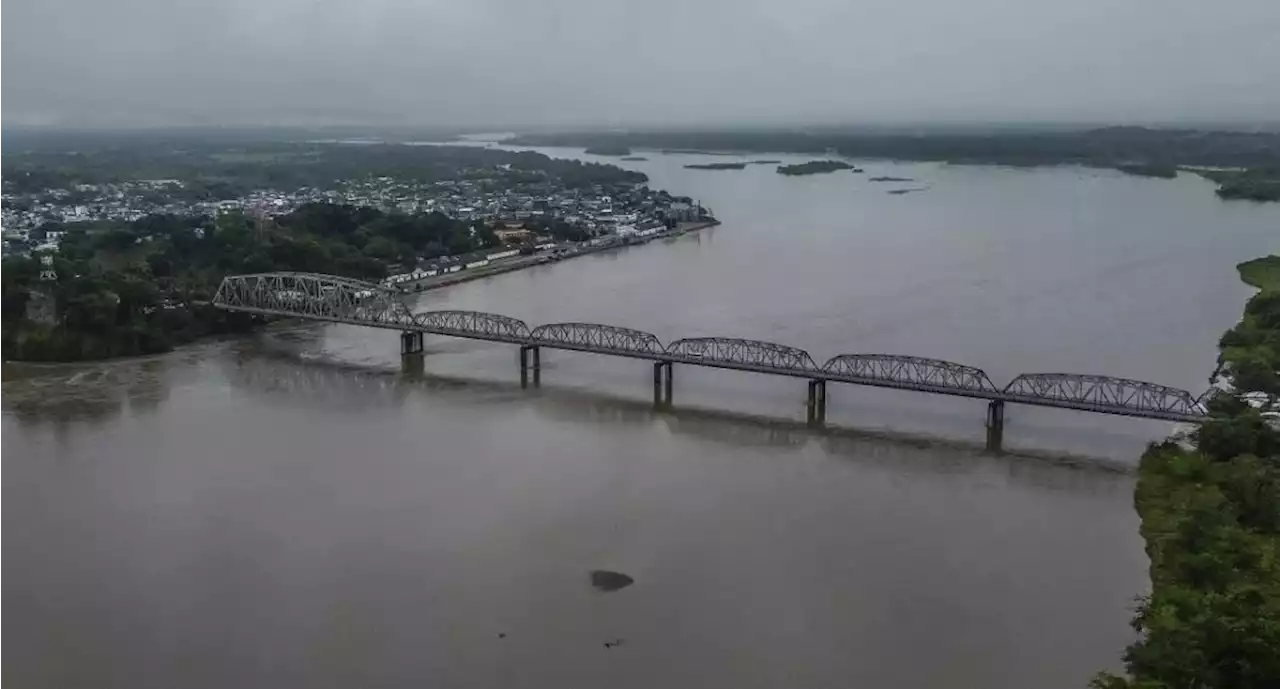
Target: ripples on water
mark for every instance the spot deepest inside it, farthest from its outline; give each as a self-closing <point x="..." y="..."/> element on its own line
<point x="209" y="474"/>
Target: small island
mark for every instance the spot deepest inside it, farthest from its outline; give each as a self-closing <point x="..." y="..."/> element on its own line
<point x="608" y="150"/>
<point x="716" y="166"/>
<point x="634" y="158"/>
<point x="890" y="179"/>
<point x="814" y="167"/>
<point x="696" y="151"/>
<point x="765" y="162"/>
<point x="905" y="191"/>
<point x="1263" y="273"/>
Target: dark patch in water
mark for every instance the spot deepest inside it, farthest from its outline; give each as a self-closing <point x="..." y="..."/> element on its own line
<point x="605" y="580"/>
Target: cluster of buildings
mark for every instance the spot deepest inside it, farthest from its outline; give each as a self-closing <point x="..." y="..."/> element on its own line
<point x="597" y="210"/>
<point x="487" y="195"/>
<point x="27" y="218"/>
<point x="601" y="217"/>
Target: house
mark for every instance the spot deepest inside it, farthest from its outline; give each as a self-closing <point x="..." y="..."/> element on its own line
<point x="499" y="255"/>
<point x="679" y="210"/>
<point x="509" y="235"/>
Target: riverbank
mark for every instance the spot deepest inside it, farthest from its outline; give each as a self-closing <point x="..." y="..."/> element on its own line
<point x="1263" y="273"/>
<point x="514" y="264"/>
<point x="1212" y="528"/>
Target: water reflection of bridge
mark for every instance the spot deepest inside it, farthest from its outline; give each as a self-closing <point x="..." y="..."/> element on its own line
<point x="341" y="300"/>
<point x="324" y="384"/>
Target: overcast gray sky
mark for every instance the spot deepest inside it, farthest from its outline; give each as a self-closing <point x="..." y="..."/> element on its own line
<point x="617" y="62"/>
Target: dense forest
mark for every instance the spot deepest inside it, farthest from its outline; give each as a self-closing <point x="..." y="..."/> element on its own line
<point x="1211" y="521"/>
<point x="143" y="287"/>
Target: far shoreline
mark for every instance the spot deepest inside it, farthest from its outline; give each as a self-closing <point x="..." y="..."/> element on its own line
<point x="1172" y="172"/>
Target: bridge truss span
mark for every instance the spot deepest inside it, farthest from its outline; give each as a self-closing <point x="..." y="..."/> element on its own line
<point x="473" y="324"/>
<point x="749" y="355"/>
<point x="911" y="373"/>
<point x="342" y="300"/>
<point x="1104" y="394"/>
<point x="314" y="296"/>
<point x="595" y="337"/>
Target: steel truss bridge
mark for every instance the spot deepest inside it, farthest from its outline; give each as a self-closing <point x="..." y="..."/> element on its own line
<point x="341" y="300"/>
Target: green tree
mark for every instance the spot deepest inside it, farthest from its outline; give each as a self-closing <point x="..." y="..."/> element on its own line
<point x="383" y="248"/>
<point x="1211" y="521"/>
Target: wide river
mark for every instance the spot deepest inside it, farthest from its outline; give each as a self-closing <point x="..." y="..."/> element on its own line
<point x="286" y="510"/>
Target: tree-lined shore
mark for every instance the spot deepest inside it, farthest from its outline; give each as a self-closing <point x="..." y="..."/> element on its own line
<point x="1211" y="522"/>
<point x="144" y="287"/>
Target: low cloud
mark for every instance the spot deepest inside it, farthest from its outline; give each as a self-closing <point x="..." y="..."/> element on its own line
<point x="609" y="62"/>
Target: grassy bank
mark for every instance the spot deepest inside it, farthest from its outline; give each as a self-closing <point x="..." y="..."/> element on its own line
<point x="1211" y="522"/>
<point x="1263" y="273"/>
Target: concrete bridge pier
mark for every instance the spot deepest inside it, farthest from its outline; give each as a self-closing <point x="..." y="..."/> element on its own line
<point x="530" y="359"/>
<point x="995" y="426"/>
<point x="662" y="384"/>
<point x="410" y="342"/>
<point x="657" y="385"/>
<point x="816" y="409"/>
<point x="667" y="384"/>
<point x="411" y="349"/>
